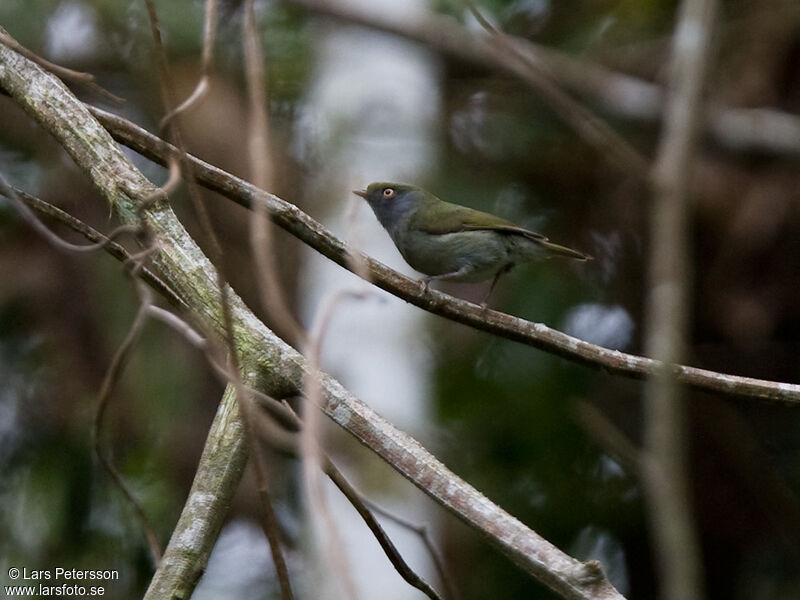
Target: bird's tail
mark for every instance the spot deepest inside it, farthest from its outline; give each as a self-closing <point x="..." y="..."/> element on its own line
<point x="558" y="250"/>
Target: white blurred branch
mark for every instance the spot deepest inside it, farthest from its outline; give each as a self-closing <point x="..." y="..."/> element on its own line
<point x="737" y="129"/>
<point x="665" y="468"/>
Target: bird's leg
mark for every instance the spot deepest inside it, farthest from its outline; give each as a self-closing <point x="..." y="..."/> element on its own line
<point x="463" y="270"/>
<point x="485" y="301"/>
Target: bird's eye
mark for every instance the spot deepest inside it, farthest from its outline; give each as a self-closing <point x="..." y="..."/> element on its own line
<point x="388" y="193"/>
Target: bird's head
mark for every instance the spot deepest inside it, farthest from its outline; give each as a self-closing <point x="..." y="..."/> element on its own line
<point x="392" y="201"/>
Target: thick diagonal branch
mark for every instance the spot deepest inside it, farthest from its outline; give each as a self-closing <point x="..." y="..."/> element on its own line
<point x="267" y="363"/>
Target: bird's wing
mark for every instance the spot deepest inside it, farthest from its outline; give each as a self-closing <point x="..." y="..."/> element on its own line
<point x="461" y="218"/>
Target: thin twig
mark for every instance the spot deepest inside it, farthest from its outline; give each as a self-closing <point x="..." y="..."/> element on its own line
<point x="364" y="508"/>
<point x="592" y="129"/>
<point x="135" y="264"/>
<point x="101" y="241"/>
<point x="261" y="171"/>
<point x="179" y="325"/>
<point x="106" y="389"/>
<point x="207" y="62"/>
<point x="54" y="240"/>
<point x="167" y="94"/>
<point x="385" y="542"/>
<point x="424" y="534"/>
<point x="269" y="519"/>
<point x="537" y="335"/>
<point x="80" y="77"/>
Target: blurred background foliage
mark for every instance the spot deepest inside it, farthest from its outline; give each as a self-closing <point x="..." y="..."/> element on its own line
<point x="508" y="419"/>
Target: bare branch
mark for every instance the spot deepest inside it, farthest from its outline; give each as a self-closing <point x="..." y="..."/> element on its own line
<point x="508" y="50"/>
<point x="364" y="507"/>
<point x="67" y="74"/>
<point x="261" y="173"/>
<point x="100" y="241"/>
<point x="218" y="474"/>
<point x="201" y="89"/>
<point x="665" y="465"/>
<point x="54" y="240"/>
<point x="109" y="382"/>
<point x="424" y="534"/>
<point x="388" y="547"/>
<point x="537" y="335"/>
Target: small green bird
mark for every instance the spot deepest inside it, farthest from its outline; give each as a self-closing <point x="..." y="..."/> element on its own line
<point x="449" y="241"/>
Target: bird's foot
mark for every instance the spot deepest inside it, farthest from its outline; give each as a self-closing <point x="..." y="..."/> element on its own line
<point x="485" y="302"/>
<point x="425" y="283"/>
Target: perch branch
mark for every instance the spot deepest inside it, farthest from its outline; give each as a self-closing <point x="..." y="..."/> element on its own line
<point x="537" y="335"/>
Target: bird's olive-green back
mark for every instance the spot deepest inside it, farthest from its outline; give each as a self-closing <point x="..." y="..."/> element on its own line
<point x="438" y="217"/>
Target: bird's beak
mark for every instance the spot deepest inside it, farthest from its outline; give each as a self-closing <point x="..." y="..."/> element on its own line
<point x="362" y="193"/>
